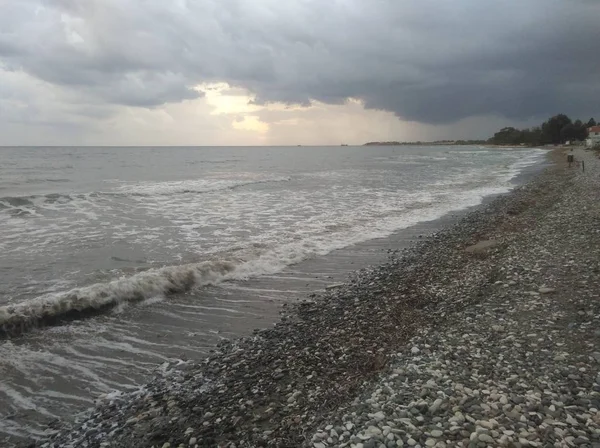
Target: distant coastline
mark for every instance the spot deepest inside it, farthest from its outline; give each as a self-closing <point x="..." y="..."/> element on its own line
<point x="557" y="130"/>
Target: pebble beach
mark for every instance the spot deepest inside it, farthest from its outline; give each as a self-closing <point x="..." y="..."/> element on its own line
<point x="486" y="333"/>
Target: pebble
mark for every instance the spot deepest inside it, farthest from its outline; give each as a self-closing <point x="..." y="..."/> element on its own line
<point x="444" y="345"/>
<point x="509" y="385"/>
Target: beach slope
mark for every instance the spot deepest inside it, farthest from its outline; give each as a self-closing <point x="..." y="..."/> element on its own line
<point x="485" y="334"/>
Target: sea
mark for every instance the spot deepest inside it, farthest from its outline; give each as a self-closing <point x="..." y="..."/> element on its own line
<point x="117" y="260"/>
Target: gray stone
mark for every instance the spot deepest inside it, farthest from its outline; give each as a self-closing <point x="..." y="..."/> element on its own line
<point x="435" y="406"/>
<point x="485" y="438"/>
<point x="482" y="246"/>
<point x="379" y="416"/>
<point x="437" y="433"/>
<point x="370" y="444"/>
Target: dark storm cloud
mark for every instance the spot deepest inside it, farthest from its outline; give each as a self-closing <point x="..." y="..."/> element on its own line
<point x="431" y="61"/>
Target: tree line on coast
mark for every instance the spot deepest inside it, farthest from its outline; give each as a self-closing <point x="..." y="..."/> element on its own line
<point x="558" y="129"/>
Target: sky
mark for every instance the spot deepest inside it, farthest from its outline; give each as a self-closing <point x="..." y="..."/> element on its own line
<point x="274" y="72"/>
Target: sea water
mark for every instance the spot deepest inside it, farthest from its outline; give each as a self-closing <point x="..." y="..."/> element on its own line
<point x="115" y="260"/>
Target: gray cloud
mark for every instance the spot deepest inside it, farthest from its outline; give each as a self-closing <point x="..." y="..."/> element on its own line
<point x="431" y="61"/>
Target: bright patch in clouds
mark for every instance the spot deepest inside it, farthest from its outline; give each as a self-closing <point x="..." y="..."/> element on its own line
<point x="226" y="100"/>
<point x="251" y="123"/>
<point x="222" y="115"/>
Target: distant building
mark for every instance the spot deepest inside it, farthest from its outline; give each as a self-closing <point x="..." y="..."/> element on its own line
<point x="593" y="136"/>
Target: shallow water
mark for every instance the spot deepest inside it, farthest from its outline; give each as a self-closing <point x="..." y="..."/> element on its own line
<point x="184" y="246"/>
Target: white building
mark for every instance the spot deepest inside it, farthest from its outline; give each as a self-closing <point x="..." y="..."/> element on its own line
<point x="593" y="136"/>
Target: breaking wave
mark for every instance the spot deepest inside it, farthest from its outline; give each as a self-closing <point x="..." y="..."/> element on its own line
<point x="249" y="262"/>
<point x="53" y="308"/>
<point x="193" y="186"/>
<point x="147" y="189"/>
<point x="16" y="201"/>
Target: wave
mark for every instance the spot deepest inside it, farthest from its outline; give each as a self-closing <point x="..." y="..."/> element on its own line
<point x="249" y="262"/>
<point x="256" y="260"/>
<point x="193" y="186"/>
<point x="532" y="157"/>
<point x="35" y="180"/>
<point x="54" y="308"/>
<point x="18" y="201"/>
<point x="148" y="189"/>
<point x="28" y="204"/>
<point x="501" y="174"/>
<point x="473" y="151"/>
<point x="424" y="157"/>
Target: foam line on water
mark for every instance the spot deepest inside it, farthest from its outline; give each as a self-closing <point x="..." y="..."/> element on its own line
<point x="103" y="361"/>
<point x="209" y="308"/>
<point x="171" y="347"/>
<point x="196" y="186"/>
<point x="21" y="401"/>
<point x="47" y="395"/>
<point x="268" y="260"/>
<point x="30" y="203"/>
<point x="128" y="348"/>
<point x="12" y="428"/>
<point x="51" y="308"/>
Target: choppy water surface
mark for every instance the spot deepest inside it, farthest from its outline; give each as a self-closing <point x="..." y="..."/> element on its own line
<point x="159" y="252"/>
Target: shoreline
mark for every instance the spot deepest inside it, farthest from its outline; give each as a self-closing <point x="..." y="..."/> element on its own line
<point x="519" y="366"/>
<point x="286" y="380"/>
<point x="257" y="305"/>
<point x="96" y="299"/>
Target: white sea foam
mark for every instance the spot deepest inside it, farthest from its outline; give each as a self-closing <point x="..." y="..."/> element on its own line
<point x="242" y="232"/>
<point x="288" y="227"/>
<point x="33" y="203"/>
<point x="139" y="287"/>
<point x="197" y="185"/>
<point x="532" y="158"/>
<point x="466" y="151"/>
<point x="251" y="262"/>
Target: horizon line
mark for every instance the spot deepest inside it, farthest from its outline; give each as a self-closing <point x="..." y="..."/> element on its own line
<point x="227" y="146"/>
